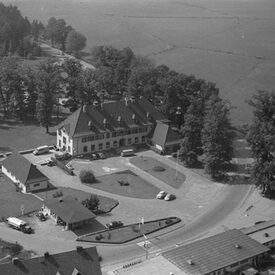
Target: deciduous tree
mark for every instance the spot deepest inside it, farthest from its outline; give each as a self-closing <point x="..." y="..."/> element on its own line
<point x="48" y="80"/>
<point x="261" y="138"/>
<point x="75" y="42"/>
<point x="217" y="138"/>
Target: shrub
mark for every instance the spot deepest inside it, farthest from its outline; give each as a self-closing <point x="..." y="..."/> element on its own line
<point x="158" y="169"/>
<point x="91" y="203"/>
<point x="87" y="176"/>
<point x="123" y="183"/>
<point x="15" y="249"/>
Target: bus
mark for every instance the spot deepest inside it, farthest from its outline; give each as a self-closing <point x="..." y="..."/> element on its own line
<point x="127" y="152"/>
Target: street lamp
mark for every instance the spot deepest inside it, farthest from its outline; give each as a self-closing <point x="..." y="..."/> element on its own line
<point x="178" y="152"/>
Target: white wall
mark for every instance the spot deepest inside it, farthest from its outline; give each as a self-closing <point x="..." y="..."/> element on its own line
<point x="77" y="146"/>
<point x="42" y="185"/>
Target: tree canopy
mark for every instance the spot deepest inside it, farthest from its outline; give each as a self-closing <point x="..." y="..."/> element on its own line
<point x="75" y="42"/>
<point x="261" y="138"/>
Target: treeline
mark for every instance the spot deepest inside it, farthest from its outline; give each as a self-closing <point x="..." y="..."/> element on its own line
<point x="17" y="33"/>
<point x="20" y="36"/>
<point x="194" y="105"/>
<point x="261" y="138"/>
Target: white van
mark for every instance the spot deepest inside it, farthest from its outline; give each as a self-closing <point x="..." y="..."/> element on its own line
<point x="41" y="150"/>
<point x="127" y="152"/>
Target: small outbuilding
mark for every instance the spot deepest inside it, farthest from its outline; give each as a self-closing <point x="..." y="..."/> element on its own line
<point x="68" y="211"/>
<point x="24" y="174"/>
<point x="163" y="138"/>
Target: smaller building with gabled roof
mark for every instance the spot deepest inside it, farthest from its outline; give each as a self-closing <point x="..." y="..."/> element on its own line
<point x="163" y="138"/>
<point x="218" y="254"/>
<point x="81" y="261"/>
<point x="24" y="174"/>
<point x="68" y="210"/>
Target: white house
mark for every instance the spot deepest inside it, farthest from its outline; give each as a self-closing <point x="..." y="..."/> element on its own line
<point x="108" y="125"/>
<point x="24" y="174"/>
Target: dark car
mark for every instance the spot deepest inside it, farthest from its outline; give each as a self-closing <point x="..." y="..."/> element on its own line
<point x="41" y="216"/>
<point x="102" y="155"/>
<point x="114" y="224"/>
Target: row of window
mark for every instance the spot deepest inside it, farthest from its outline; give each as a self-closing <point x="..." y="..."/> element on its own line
<point x="64" y="146"/>
<point x="115" y="134"/>
<point x="115" y="144"/>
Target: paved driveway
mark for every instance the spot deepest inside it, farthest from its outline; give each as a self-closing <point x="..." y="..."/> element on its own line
<point x="192" y="197"/>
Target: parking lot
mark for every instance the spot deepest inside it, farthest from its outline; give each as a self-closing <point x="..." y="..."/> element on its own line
<point x="192" y="196"/>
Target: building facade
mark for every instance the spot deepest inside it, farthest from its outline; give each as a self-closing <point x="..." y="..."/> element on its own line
<point x="24" y="174"/>
<point x="109" y="125"/>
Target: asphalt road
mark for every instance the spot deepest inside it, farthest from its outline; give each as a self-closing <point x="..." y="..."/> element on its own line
<point x="202" y="225"/>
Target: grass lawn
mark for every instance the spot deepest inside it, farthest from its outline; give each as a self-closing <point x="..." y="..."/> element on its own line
<point x="130" y="232"/>
<point x="12" y="249"/>
<point x="134" y="186"/>
<point x="16" y="136"/>
<point x="169" y="175"/>
<point x="105" y="204"/>
<point x="11" y="201"/>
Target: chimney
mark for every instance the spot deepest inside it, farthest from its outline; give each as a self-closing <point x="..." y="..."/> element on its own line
<point x="133" y="117"/>
<point x="95" y="103"/>
<point x="147" y="115"/>
<point x="237" y="246"/>
<point x="105" y="121"/>
<point x="84" y="108"/>
<point x="90" y="125"/>
<point x="15" y="260"/>
<point x="119" y="119"/>
<point x="190" y="262"/>
<point x="79" y="249"/>
<point x="126" y="102"/>
<point x="46" y="255"/>
<point x="60" y="200"/>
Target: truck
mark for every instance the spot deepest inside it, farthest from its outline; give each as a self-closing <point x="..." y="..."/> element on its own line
<point x="19" y="225"/>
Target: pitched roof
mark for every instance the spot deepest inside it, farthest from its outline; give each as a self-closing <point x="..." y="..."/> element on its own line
<point x="263" y="232"/>
<point x="24" y="170"/>
<point x="69" y="209"/>
<point x="213" y="253"/>
<point x="84" y="261"/>
<point x="162" y="134"/>
<point x="130" y="113"/>
<point x="258" y="227"/>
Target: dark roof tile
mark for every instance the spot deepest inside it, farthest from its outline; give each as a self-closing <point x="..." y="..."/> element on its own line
<point x="213" y="253"/>
<point x="25" y="171"/>
<point x="69" y="209"/>
<point x="85" y="261"/>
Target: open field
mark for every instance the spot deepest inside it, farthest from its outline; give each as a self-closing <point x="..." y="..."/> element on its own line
<point x="15" y="137"/>
<point x="228" y="42"/>
<point x="170" y="175"/>
<point x="132" y="185"/>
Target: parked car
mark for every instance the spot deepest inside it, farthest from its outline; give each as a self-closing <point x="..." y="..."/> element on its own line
<point x="161" y="195"/>
<point x="69" y="166"/>
<point x="169" y="197"/>
<point x="101" y="155"/>
<point x="93" y="156"/>
<point x="41" y="150"/>
<point x="41" y="216"/>
<point x="114" y="224"/>
<point x="51" y="163"/>
<point x="45" y="162"/>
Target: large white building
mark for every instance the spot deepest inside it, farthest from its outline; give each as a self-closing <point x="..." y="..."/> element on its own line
<point x="116" y="124"/>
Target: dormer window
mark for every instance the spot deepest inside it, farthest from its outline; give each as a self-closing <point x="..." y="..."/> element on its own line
<point x="119" y="119"/>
